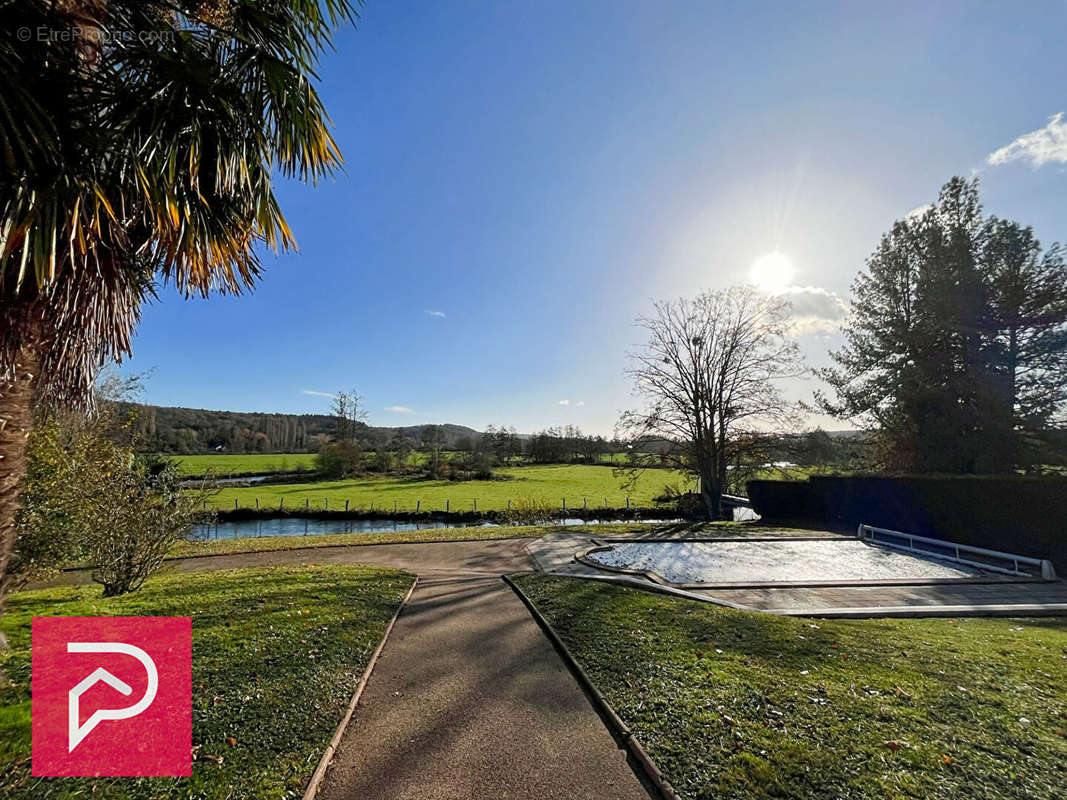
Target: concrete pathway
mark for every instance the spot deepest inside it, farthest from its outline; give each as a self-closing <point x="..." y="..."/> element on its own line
<point x="469" y="700"/>
<point x="493" y="557"/>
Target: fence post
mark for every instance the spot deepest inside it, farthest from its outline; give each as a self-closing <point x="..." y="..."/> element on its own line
<point x="371" y="505"/>
<point x="307" y="503"/>
<point x="585" y="502"/>
<point x="564" y="503"/>
<point x="448" y="504"/>
<point x="475" y="503"/>
<point x="417" y="504"/>
<point x="327" y="506"/>
<point x="627" y="502"/>
<point x="257" y="504"/>
<point x="346" y="505"/>
<point x="509" y="505"/>
<point x="394" y="506"/>
<point x="281" y="503"/>
<point x="235" y="504"/>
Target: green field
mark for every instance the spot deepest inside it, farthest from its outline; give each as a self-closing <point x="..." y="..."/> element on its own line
<point x="223" y="464"/>
<point x="277" y="653"/>
<point x="596" y="486"/>
<point x="737" y="705"/>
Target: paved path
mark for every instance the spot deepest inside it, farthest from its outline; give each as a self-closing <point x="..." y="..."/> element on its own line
<point x="486" y="557"/>
<point x="469" y="700"/>
<point x="953" y="599"/>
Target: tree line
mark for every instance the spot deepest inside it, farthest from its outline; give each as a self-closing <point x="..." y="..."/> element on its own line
<point x="165" y="429"/>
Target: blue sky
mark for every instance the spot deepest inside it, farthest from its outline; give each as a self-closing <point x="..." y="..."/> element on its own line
<point x="537" y="173"/>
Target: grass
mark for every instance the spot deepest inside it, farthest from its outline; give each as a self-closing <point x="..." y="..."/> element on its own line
<point x="736" y="704"/>
<point x="223" y="464"/>
<point x="277" y="653"/>
<point x="596" y="485"/>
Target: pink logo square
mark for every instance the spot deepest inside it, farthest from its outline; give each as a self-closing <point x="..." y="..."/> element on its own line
<point x="112" y="696"/>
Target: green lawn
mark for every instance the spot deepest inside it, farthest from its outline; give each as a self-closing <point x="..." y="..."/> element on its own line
<point x="277" y="653"/>
<point x="590" y="484"/>
<point x="223" y="464"/>
<point x="742" y="705"/>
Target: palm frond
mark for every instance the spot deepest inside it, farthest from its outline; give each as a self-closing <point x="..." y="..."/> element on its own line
<point x="127" y="160"/>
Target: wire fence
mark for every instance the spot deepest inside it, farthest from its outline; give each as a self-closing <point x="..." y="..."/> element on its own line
<point x="396" y="506"/>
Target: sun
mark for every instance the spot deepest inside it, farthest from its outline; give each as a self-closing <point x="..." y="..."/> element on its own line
<point x="773" y="272"/>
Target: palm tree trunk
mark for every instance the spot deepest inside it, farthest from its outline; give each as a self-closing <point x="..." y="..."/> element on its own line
<point x="16" y="421"/>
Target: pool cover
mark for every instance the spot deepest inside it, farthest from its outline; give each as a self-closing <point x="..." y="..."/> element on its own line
<point x="788" y="561"/>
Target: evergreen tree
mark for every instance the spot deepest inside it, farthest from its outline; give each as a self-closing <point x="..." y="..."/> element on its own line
<point x="1027" y="334"/>
<point x="932" y="355"/>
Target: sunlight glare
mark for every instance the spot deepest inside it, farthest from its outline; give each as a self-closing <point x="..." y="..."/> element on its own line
<point x="773" y="272"/>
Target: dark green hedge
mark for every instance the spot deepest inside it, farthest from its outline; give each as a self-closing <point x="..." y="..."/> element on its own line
<point x="1021" y="515"/>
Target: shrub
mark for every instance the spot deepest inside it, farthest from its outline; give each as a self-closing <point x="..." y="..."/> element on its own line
<point x="339" y="459"/>
<point x="786" y="500"/>
<point x="90" y="498"/>
<point x="131" y="519"/>
<point x="46" y="530"/>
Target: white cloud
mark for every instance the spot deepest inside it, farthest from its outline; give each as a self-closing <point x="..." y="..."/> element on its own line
<point x="581" y="402"/>
<point x="564" y="402"/>
<point x="918" y="211"/>
<point x="440" y="314"/>
<point x="1039" y="147"/>
<point x="315" y="393"/>
<point x="814" y="310"/>
<point x="400" y="409"/>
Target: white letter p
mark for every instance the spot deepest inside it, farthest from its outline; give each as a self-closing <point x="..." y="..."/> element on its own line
<point x="76" y="732"/>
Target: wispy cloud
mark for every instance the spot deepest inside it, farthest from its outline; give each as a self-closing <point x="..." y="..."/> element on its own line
<point x="400" y="409"/>
<point x="315" y="393"/>
<point x="431" y="313"/>
<point x="1043" y="146"/>
<point x="564" y="402"/>
<point x="815" y="310"/>
<point x="581" y="402"/>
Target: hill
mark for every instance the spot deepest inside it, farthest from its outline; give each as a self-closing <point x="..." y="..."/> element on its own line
<point x="168" y="429"/>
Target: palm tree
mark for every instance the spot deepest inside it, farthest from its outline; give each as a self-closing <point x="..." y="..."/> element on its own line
<point x="138" y="144"/>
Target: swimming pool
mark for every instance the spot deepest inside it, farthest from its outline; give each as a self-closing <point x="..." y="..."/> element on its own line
<point x="775" y="561"/>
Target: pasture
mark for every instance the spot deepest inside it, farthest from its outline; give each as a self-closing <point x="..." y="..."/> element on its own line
<point x="223" y="464"/>
<point x="577" y="484"/>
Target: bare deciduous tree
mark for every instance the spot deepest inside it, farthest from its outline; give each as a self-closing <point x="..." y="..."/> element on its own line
<point x="347" y="409"/>
<point x="708" y="372"/>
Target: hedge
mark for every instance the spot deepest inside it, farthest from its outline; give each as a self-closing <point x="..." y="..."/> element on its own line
<point x="1017" y="514"/>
